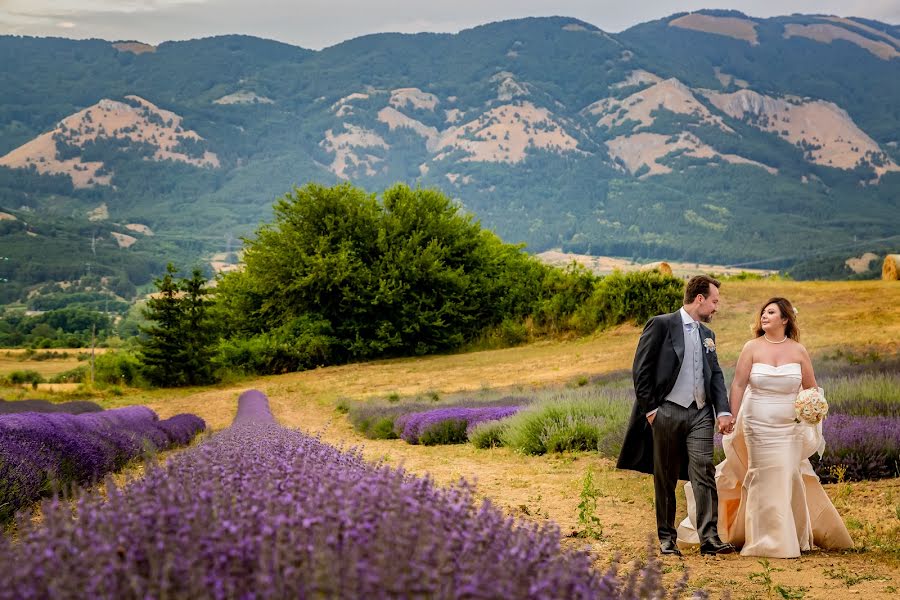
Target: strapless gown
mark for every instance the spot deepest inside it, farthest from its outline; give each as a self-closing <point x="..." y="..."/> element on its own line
<point x="771" y="502"/>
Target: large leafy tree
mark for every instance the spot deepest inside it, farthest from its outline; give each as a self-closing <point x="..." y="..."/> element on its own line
<point x="179" y="343"/>
<point x="359" y="276"/>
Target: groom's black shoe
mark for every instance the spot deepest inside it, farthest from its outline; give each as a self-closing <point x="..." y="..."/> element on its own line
<point x="669" y="547"/>
<point x="716" y="546"/>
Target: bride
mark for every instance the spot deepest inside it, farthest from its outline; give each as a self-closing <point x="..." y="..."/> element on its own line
<point x="770" y="500"/>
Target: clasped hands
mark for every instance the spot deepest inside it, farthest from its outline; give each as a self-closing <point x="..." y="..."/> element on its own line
<point x="725" y="424"/>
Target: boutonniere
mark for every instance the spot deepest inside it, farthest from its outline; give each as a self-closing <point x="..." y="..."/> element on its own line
<point x="710" y="345"/>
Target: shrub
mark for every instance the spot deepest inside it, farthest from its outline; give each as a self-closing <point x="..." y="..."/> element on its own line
<point x="487" y="435"/>
<point x="868" y="394"/>
<point x="382" y="429"/>
<point x="77" y="375"/>
<point x="563" y="292"/>
<point x="634" y="296"/>
<point x="25" y="376"/>
<point x="744" y="276"/>
<point x="375" y="421"/>
<point x="30" y="354"/>
<point x="574" y="433"/>
<point x="579" y="419"/>
<point x="117" y="368"/>
<point x="303" y="343"/>
<point x="446" y="425"/>
<point x="510" y="332"/>
<point x="449" y="431"/>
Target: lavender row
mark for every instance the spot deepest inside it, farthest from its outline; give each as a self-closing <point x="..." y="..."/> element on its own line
<point x="259" y="511"/>
<point x="449" y="425"/>
<point x="861" y="447"/>
<point x="45" y="452"/>
<point x="377" y="420"/>
<point x="253" y="407"/>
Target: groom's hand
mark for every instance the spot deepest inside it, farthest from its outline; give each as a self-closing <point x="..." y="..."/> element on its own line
<point x="725" y="423"/>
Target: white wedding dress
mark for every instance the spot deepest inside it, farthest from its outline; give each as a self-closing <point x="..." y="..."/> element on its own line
<point x="771" y="502"/>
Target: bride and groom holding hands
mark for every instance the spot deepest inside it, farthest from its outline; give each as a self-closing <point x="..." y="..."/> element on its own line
<point x="764" y="499"/>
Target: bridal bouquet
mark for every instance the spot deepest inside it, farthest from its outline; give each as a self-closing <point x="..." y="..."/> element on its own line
<point x="810" y="406"/>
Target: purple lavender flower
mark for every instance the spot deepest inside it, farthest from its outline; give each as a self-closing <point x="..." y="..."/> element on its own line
<point x="181" y="428"/>
<point x="260" y="511"/>
<point x="376" y="420"/>
<point x="41" y="453"/>
<point x="453" y="423"/>
<point x="867" y="447"/>
<point x="253" y="407"/>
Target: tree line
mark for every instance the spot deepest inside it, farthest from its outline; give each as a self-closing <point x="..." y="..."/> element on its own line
<point x="341" y="275"/>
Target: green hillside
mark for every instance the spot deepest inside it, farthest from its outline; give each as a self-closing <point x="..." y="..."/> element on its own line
<point x="441" y="110"/>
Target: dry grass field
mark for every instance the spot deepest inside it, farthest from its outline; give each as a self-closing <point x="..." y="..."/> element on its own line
<point x="833" y="316"/>
<point x="17" y="359"/>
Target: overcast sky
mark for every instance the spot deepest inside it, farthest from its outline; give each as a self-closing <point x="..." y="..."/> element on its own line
<point x="320" y="23"/>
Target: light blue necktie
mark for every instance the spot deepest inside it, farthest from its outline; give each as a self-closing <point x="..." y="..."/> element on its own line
<point x="693" y="333"/>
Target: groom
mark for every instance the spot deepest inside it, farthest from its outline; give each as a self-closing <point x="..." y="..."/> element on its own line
<point x="680" y="393"/>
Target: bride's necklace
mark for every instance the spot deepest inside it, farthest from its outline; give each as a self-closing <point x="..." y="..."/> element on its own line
<point x="774" y="342"/>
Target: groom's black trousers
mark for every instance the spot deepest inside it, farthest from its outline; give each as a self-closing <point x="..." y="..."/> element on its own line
<point x="680" y="433"/>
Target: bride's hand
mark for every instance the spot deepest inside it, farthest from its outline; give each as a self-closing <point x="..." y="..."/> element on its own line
<point x="725" y="424"/>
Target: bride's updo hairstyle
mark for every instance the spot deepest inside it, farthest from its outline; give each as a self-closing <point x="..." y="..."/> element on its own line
<point x="787" y="312"/>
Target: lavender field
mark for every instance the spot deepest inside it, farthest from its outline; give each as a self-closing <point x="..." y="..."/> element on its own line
<point x="262" y="511"/>
<point x="862" y="430"/>
<point x="43" y="453"/>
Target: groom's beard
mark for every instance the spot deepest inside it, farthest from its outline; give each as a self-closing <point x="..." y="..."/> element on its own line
<point x="707" y="318"/>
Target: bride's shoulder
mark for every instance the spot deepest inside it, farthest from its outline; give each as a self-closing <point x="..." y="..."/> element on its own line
<point x="749" y="352"/>
<point x="800" y="348"/>
<point x="752" y="343"/>
<point x="796" y="346"/>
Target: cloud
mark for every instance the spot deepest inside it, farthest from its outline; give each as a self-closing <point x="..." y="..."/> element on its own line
<point x="41" y="16"/>
<point x="321" y="23"/>
<point x="46" y="8"/>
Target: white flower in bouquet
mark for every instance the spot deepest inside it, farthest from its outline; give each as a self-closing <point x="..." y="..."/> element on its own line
<point x="810" y="406"/>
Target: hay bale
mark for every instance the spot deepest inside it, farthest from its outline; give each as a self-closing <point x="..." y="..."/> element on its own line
<point x="661" y="266"/>
<point x="890" y="268"/>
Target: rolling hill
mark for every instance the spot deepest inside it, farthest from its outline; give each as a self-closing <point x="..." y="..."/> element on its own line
<point x="707" y="136"/>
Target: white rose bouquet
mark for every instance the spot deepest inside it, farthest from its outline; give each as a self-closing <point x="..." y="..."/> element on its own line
<point x="810" y="406"/>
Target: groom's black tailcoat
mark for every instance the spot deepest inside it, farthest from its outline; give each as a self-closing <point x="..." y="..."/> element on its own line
<point x="657" y="362"/>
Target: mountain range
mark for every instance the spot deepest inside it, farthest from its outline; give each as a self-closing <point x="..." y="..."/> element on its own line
<point x="708" y="136"/>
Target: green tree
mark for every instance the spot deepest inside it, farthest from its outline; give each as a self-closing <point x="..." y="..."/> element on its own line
<point x="199" y="331"/>
<point x="360" y="277"/>
<point x="178" y="345"/>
